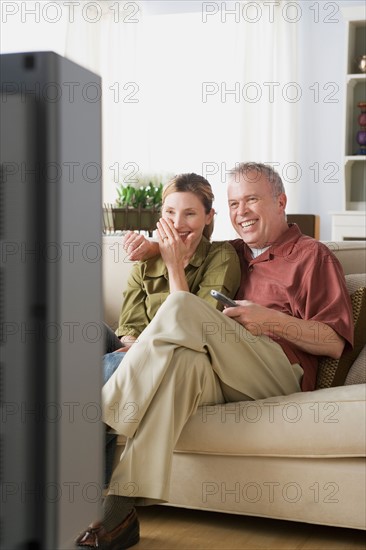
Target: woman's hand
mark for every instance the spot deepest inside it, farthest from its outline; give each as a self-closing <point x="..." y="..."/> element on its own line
<point x="125" y="348"/>
<point x="175" y="254"/>
<point x="127" y="342"/>
<point x="173" y="250"/>
<point x="139" y="248"/>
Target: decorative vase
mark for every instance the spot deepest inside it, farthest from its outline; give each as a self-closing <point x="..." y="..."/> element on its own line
<point x="361" y="134"/>
<point x="361" y="63"/>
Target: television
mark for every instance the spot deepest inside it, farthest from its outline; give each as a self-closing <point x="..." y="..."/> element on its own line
<point x="51" y="300"/>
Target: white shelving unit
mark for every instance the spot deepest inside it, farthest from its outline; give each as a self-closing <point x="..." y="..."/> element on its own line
<point x="351" y="222"/>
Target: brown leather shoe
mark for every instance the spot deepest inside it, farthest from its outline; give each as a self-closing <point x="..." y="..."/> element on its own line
<point x="125" y="535"/>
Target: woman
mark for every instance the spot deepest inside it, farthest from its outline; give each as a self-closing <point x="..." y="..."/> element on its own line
<point x="187" y="261"/>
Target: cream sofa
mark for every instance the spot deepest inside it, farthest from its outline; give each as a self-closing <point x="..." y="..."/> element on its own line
<point x="299" y="457"/>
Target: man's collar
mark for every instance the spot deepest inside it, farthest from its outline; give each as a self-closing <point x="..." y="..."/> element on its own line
<point x="287" y="239"/>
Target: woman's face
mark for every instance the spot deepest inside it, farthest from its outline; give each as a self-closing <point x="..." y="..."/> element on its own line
<point x="187" y="213"/>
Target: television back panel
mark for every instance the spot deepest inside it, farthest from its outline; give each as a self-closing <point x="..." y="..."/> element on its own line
<point x="51" y="297"/>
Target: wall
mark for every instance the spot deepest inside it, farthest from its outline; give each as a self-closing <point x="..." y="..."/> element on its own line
<point x="29" y="26"/>
<point x="321" y="76"/>
<point x="322" y="65"/>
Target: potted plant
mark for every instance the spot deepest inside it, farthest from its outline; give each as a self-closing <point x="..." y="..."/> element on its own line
<point x="138" y="205"/>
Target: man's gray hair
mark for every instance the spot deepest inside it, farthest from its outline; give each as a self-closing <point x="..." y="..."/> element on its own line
<point x="256" y="170"/>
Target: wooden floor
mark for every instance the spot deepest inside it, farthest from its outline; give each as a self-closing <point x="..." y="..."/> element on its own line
<point x="167" y="528"/>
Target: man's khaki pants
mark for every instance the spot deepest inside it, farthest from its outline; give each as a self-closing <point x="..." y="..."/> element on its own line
<point x="189" y="355"/>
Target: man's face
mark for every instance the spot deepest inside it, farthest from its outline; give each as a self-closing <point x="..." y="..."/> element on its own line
<point x="257" y="216"/>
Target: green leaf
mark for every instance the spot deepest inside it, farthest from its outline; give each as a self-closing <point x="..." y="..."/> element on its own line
<point x="148" y="195"/>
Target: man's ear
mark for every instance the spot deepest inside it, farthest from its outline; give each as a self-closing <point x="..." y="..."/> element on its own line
<point x="282" y="201"/>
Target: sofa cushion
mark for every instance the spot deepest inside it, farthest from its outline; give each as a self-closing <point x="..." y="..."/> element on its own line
<point x="357" y="373"/>
<point x="321" y="423"/>
<point x="333" y="372"/>
<point x="355" y="281"/>
<point x="351" y="254"/>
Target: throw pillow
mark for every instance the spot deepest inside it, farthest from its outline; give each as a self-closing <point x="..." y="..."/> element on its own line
<point x="333" y="372"/>
<point x="357" y="373"/>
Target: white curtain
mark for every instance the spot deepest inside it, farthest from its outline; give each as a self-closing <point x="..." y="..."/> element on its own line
<point x="193" y="91"/>
<point x="107" y="39"/>
<point x="269" y="59"/>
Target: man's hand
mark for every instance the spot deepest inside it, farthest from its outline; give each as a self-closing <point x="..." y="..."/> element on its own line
<point x="255" y="318"/>
<point x="139" y="248"/>
<point x="311" y="336"/>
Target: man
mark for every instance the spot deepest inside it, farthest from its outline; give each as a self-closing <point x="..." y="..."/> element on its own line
<point x="292" y="307"/>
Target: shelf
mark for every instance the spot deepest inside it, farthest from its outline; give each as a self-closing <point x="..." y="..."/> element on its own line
<point x="354" y="14"/>
<point x="355" y="38"/>
<point x="357" y="213"/>
<point x="350" y="159"/>
<point x="351" y="222"/>
<point x="348" y="225"/>
<point x="354" y="79"/>
<point x="355" y="182"/>
<point x="355" y="94"/>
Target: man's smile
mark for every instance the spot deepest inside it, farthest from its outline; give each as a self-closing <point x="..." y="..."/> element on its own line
<point x="248" y="223"/>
